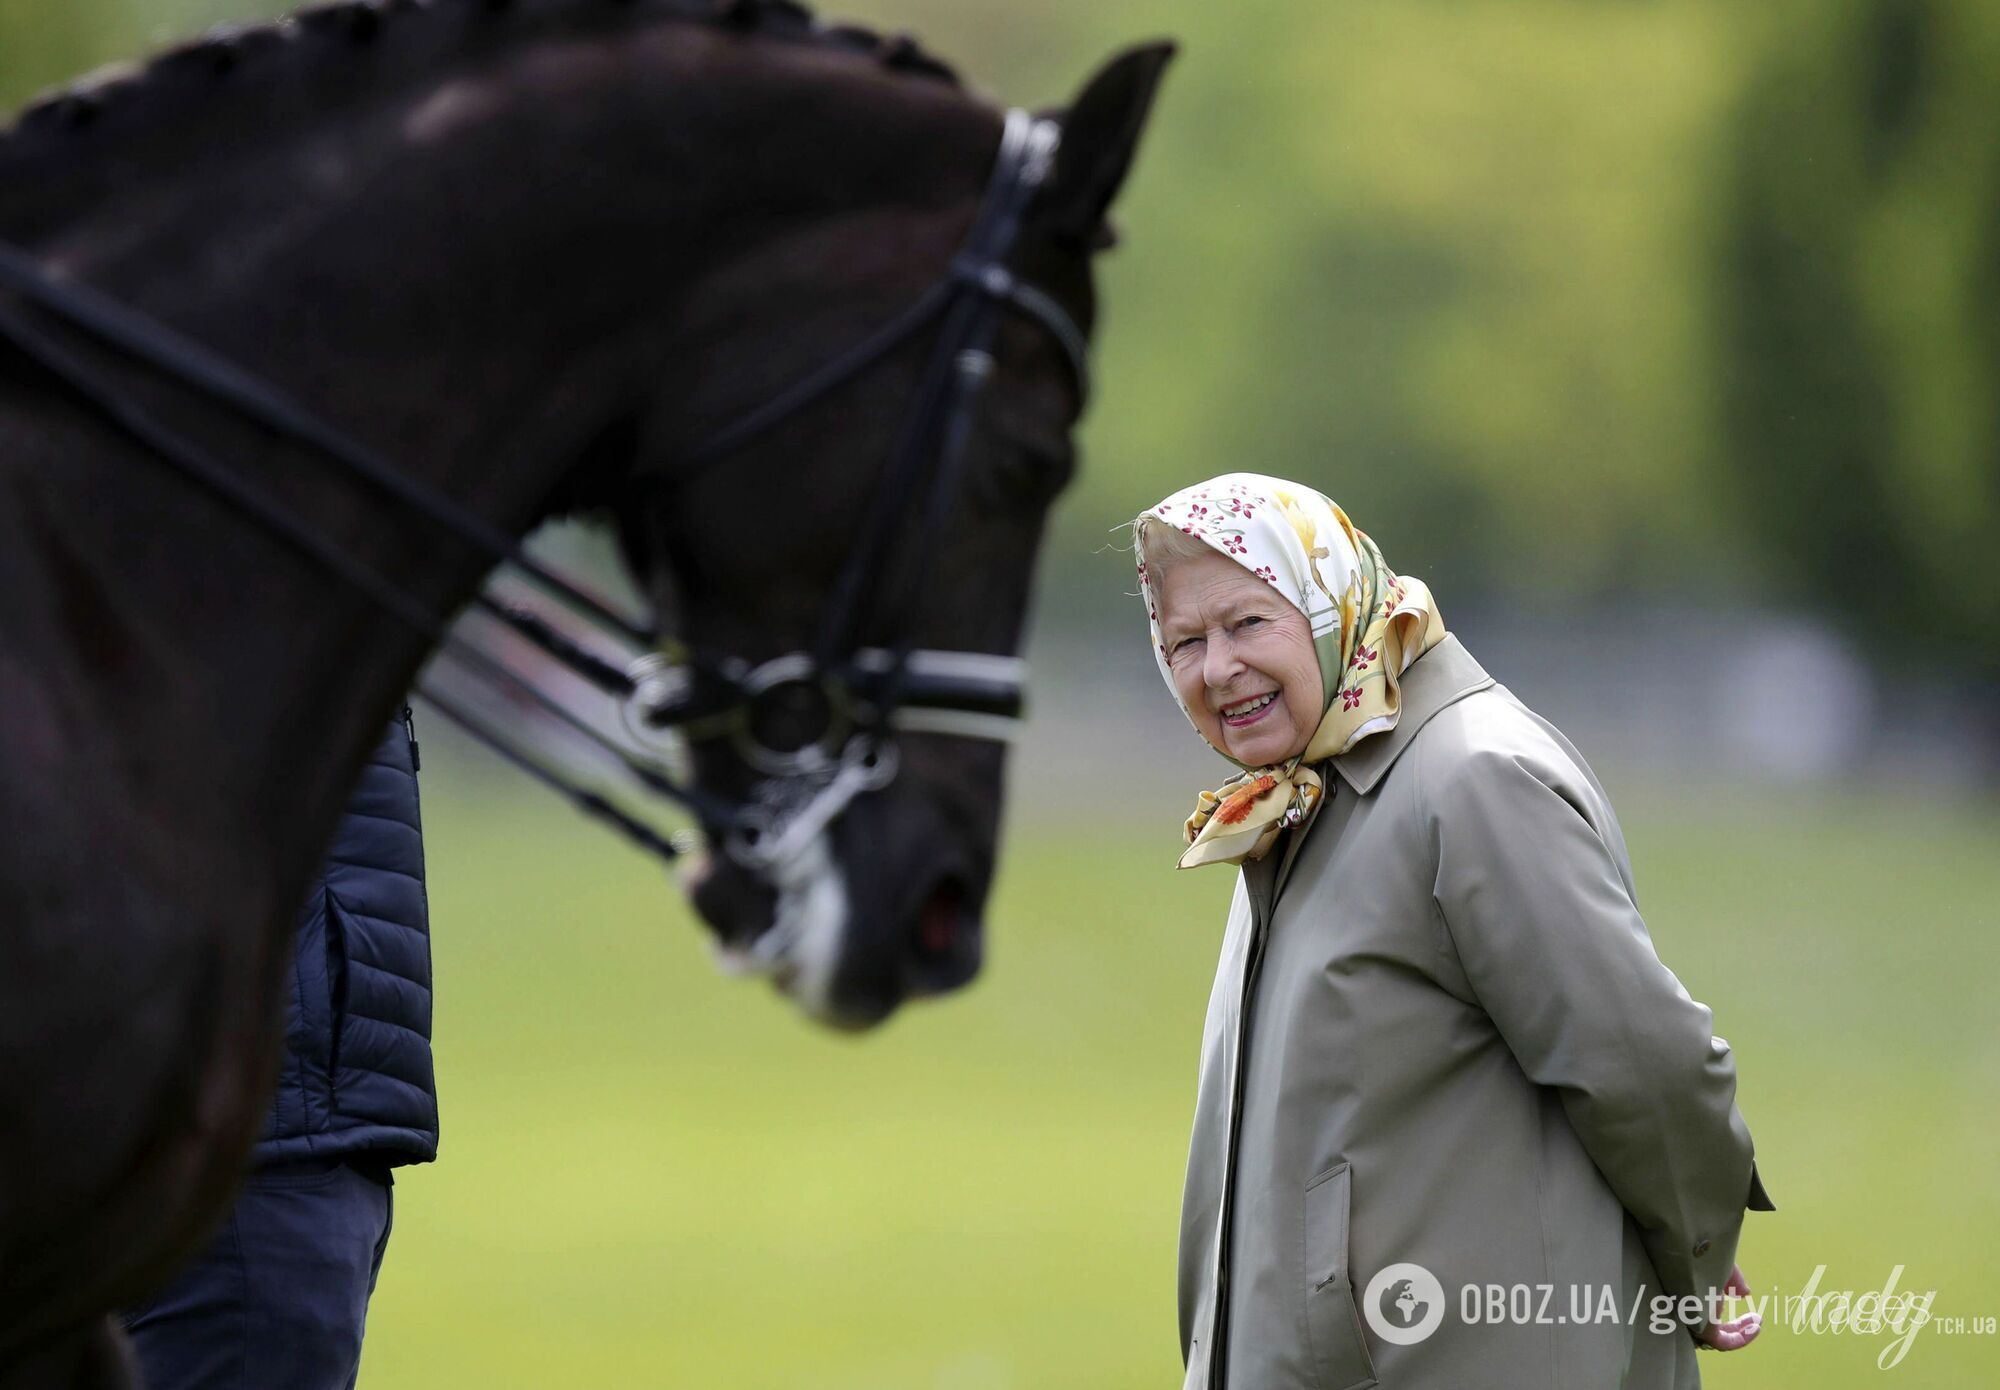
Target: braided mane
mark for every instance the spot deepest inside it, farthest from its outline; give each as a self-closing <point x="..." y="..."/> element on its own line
<point x="353" y="25"/>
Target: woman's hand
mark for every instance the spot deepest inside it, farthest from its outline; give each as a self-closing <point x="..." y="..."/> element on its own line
<point x="1739" y="1331"/>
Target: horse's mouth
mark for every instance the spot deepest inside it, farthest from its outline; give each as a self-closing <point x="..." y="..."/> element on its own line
<point x="826" y="968"/>
<point x="737" y="907"/>
<point x="940" y="952"/>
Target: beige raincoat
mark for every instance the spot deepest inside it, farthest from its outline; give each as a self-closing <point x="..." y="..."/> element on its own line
<point x="1440" y="1036"/>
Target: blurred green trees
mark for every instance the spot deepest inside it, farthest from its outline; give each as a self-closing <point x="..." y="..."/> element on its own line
<point x="1860" y="351"/>
<point x="1562" y="299"/>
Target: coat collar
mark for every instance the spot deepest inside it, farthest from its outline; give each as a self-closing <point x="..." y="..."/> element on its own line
<point x="1442" y="676"/>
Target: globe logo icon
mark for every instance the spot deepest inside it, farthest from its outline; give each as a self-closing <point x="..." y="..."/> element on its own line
<point x="1403" y="1304"/>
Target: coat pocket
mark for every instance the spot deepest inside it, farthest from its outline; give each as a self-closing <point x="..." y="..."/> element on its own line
<point x="1333" y="1325"/>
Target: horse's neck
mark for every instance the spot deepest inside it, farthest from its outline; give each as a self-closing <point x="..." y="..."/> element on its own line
<point x="465" y="292"/>
<point x="178" y="648"/>
<point x="474" y="270"/>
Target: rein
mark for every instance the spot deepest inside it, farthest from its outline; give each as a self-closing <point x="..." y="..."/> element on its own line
<point x="853" y="697"/>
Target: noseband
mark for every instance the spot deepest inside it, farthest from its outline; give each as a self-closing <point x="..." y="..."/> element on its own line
<point x="816" y="725"/>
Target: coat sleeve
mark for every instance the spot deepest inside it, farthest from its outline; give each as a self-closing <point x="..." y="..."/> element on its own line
<point x="1537" y="900"/>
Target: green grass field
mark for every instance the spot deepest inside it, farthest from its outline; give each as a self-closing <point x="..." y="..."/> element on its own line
<point x="655" y="1176"/>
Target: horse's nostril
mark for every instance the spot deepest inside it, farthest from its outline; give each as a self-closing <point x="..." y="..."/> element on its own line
<point x="944" y="942"/>
<point x="941" y="921"/>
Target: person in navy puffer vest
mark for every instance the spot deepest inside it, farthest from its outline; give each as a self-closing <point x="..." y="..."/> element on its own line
<point x="280" y="1296"/>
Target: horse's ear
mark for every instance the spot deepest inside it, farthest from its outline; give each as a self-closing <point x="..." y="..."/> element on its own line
<point x="1100" y="133"/>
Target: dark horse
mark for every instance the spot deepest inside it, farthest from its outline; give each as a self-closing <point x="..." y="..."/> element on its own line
<point x="533" y="251"/>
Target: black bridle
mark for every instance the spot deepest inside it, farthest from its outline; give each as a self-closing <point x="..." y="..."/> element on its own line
<point x="847" y="699"/>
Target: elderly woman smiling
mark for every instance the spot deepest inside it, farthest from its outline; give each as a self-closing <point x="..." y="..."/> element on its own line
<point x="1457" y="1125"/>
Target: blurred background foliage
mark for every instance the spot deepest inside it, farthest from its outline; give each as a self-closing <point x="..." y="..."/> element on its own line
<point x="1592" y="309"/>
<point x="1565" y="300"/>
<point x="1857" y="284"/>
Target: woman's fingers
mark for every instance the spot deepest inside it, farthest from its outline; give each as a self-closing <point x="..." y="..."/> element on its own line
<point x="1734" y="1334"/>
<point x="1737" y="1332"/>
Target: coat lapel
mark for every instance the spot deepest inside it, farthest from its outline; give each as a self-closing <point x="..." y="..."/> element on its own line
<point x="1442" y="676"/>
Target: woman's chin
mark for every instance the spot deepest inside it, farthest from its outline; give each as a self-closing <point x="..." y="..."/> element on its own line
<point x="1257" y="748"/>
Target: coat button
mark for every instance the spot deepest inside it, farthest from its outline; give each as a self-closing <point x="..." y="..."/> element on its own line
<point x="1701" y="1248"/>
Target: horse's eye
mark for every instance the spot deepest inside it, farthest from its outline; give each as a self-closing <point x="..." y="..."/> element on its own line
<point x="1029" y="473"/>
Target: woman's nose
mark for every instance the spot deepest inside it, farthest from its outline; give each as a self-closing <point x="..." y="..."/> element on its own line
<point x="1219" y="662"/>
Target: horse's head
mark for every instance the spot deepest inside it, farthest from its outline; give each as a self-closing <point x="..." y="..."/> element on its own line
<point x="760" y="552"/>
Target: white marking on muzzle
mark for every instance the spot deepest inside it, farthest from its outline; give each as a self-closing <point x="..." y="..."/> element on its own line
<point x="801" y="949"/>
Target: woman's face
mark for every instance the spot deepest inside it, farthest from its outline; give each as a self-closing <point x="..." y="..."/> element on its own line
<point x="1242" y="659"/>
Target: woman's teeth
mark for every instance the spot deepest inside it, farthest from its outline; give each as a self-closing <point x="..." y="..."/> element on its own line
<point x="1238" y="713"/>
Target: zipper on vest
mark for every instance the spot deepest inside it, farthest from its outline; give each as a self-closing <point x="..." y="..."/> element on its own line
<point x="410" y="730"/>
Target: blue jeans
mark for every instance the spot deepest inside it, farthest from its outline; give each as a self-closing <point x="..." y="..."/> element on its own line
<point x="280" y="1296"/>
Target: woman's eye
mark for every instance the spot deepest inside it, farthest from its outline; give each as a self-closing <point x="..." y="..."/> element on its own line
<point x="1249" y="620"/>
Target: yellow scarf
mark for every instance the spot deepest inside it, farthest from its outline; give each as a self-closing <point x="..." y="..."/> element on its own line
<point x="1368" y="625"/>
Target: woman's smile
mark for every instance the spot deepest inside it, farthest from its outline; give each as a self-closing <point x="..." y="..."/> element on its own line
<point x="1244" y="713"/>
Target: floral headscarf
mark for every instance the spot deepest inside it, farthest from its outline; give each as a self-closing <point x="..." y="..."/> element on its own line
<point x="1368" y="625"/>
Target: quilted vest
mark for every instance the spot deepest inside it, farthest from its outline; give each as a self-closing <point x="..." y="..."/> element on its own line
<point x="357" y="1077"/>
